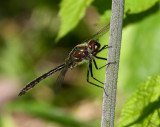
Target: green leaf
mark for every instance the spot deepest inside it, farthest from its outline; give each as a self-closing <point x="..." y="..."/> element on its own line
<point x="71" y="12"/>
<point x="137" y="6"/>
<point x="105" y="17"/>
<point x="131" y="7"/>
<point x="143" y="108"/>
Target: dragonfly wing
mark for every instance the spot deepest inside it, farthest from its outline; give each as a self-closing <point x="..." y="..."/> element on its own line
<point x="100" y="33"/>
<point x="59" y="81"/>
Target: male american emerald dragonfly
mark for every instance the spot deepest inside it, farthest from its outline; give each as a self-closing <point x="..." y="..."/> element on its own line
<point x="87" y="51"/>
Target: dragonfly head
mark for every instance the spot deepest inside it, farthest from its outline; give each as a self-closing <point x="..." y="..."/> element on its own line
<point x="93" y="46"/>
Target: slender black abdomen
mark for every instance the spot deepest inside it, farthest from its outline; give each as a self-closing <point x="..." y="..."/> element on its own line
<point x="37" y="80"/>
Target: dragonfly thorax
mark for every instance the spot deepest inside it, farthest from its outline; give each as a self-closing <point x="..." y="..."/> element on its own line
<point x="79" y="53"/>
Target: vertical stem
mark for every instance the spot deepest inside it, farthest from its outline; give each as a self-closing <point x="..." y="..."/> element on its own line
<point x="112" y="70"/>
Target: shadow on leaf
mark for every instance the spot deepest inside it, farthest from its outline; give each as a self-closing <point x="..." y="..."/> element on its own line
<point x="148" y="110"/>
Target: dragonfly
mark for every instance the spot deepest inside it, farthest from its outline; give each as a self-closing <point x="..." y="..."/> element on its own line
<point x="86" y="51"/>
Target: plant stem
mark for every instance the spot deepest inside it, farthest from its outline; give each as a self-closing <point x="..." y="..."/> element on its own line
<point x="112" y="70"/>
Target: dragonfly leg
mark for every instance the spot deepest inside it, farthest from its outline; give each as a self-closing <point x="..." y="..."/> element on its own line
<point x="95" y="64"/>
<point x="92" y="75"/>
<point x="90" y="68"/>
<point x="104" y="47"/>
<point x="100" y="58"/>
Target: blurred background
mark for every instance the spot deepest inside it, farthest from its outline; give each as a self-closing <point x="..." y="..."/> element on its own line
<point x="28" y="49"/>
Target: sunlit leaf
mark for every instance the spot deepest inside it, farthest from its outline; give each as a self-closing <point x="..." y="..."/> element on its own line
<point x="137" y="6"/>
<point x="143" y="108"/>
<point x="105" y="17"/>
<point x="71" y="12"/>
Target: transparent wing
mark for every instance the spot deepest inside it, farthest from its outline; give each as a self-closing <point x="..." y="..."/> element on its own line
<point x="104" y="30"/>
<point x="59" y="81"/>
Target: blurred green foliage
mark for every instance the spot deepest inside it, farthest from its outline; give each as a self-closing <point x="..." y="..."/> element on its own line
<point x="28" y="49"/>
<point x="48" y="113"/>
<point x="140" y="52"/>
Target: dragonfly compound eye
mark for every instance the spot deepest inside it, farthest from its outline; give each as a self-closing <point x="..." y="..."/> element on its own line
<point x="96" y="46"/>
<point x="93" y="45"/>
